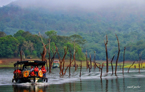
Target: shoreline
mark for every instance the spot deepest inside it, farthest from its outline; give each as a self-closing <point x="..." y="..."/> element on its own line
<point x="9" y="63"/>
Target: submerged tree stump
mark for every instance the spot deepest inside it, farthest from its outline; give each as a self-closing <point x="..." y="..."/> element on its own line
<point x="123" y="61"/>
<point x="117" y="55"/>
<point x="112" y="64"/>
<point x="130" y="66"/>
<point x="106" y="54"/>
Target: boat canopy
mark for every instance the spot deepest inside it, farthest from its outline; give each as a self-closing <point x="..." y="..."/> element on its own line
<point x="30" y="63"/>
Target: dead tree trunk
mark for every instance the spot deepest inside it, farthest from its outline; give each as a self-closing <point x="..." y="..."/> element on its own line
<point x="117" y="55"/>
<point x="112" y="64"/>
<point x="67" y="67"/>
<point x="52" y="59"/>
<point x="123" y="61"/>
<point x="101" y="68"/>
<point x="130" y="66"/>
<point x="140" y="61"/>
<point x="94" y="62"/>
<point x="90" y="67"/>
<point x="138" y="65"/>
<point x="86" y="61"/>
<point x="21" y="55"/>
<point x="74" y="57"/>
<point x="80" y="68"/>
<point x="106" y="53"/>
<point x="20" y="59"/>
<point x="49" y="57"/>
<point x="70" y="62"/>
<point x="62" y="62"/>
<point x="43" y="54"/>
<point x="60" y="66"/>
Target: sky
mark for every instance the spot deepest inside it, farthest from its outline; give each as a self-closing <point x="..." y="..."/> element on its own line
<point x="5" y="2"/>
<point x="74" y="4"/>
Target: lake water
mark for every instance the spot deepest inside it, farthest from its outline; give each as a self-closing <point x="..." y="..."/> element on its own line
<point x="88" y="82"/>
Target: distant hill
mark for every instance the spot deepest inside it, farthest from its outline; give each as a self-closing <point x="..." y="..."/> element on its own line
<point x="116" y="19"/>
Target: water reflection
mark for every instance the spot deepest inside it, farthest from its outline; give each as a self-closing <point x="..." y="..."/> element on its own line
<point x="70" y="87"/>
<point x="101" y="85"/>
<point x="112" y="86"/>
<point x="124" y="84"/>
<point x="18" y="88"/>
<point x="117" y="85"/>
<point x="106" y="85"/>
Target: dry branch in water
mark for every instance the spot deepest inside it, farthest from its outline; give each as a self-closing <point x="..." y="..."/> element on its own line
<point x="130" y="66"/>
<point x="106" y="53"/>
<point x="68" y="65"/>
<point x="87" y="65"/>
<point x="80" y="68"/>
<point x="112" y="64"/>
<point x="90" y="67"/>
<point x="70" y="61"/>
<point x="117" y="55"/>
<point x="62" y="62"/>
<point x="101" y="68"/>
<point x="49" y="57"/>
<point x="123" y="61"/>
<point x="21" y="55"/>
<point x="43" y="54"/>
<point x="139" y="61"/>
<point x="94" y="62"/>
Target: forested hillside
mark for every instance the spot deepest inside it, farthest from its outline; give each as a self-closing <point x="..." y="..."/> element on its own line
<point x="129" y="25"/>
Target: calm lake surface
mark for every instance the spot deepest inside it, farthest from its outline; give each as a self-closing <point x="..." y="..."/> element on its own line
<point x="88" y="82"/>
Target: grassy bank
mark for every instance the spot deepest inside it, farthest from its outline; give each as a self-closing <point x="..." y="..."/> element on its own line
<point x="11" y="61"/>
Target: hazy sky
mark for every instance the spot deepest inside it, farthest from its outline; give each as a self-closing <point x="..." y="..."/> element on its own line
<point x="5" y="2"/>
<point x="74" y="4"/>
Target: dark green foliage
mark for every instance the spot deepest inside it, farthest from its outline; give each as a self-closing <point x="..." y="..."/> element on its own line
<point x="32" y="45"/>
<point x="8" y="46"/>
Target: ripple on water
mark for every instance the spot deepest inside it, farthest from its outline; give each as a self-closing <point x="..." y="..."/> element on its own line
<point x="54" y="78"/>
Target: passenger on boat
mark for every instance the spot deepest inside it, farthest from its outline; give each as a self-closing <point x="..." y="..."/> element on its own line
<point x="36" y="69"/>
<point x="43" y="70"/>
<point x="17" y="73"/>
<point x="32" y="73"/>
<point x="31" y="69"/>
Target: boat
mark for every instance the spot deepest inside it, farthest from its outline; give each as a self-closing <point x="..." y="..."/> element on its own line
<point x="29" y="71"/>
<point x="55" y="64"/>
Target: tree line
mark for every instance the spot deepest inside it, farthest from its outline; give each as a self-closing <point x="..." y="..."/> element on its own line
<point x="31" y="44"/>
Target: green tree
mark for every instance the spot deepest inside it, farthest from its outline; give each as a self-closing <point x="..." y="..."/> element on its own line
<point x="19" y="33"/>
<point x="77" y="39"/>
<point x="51" y="33"/>
<point x="9" y="45"/>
